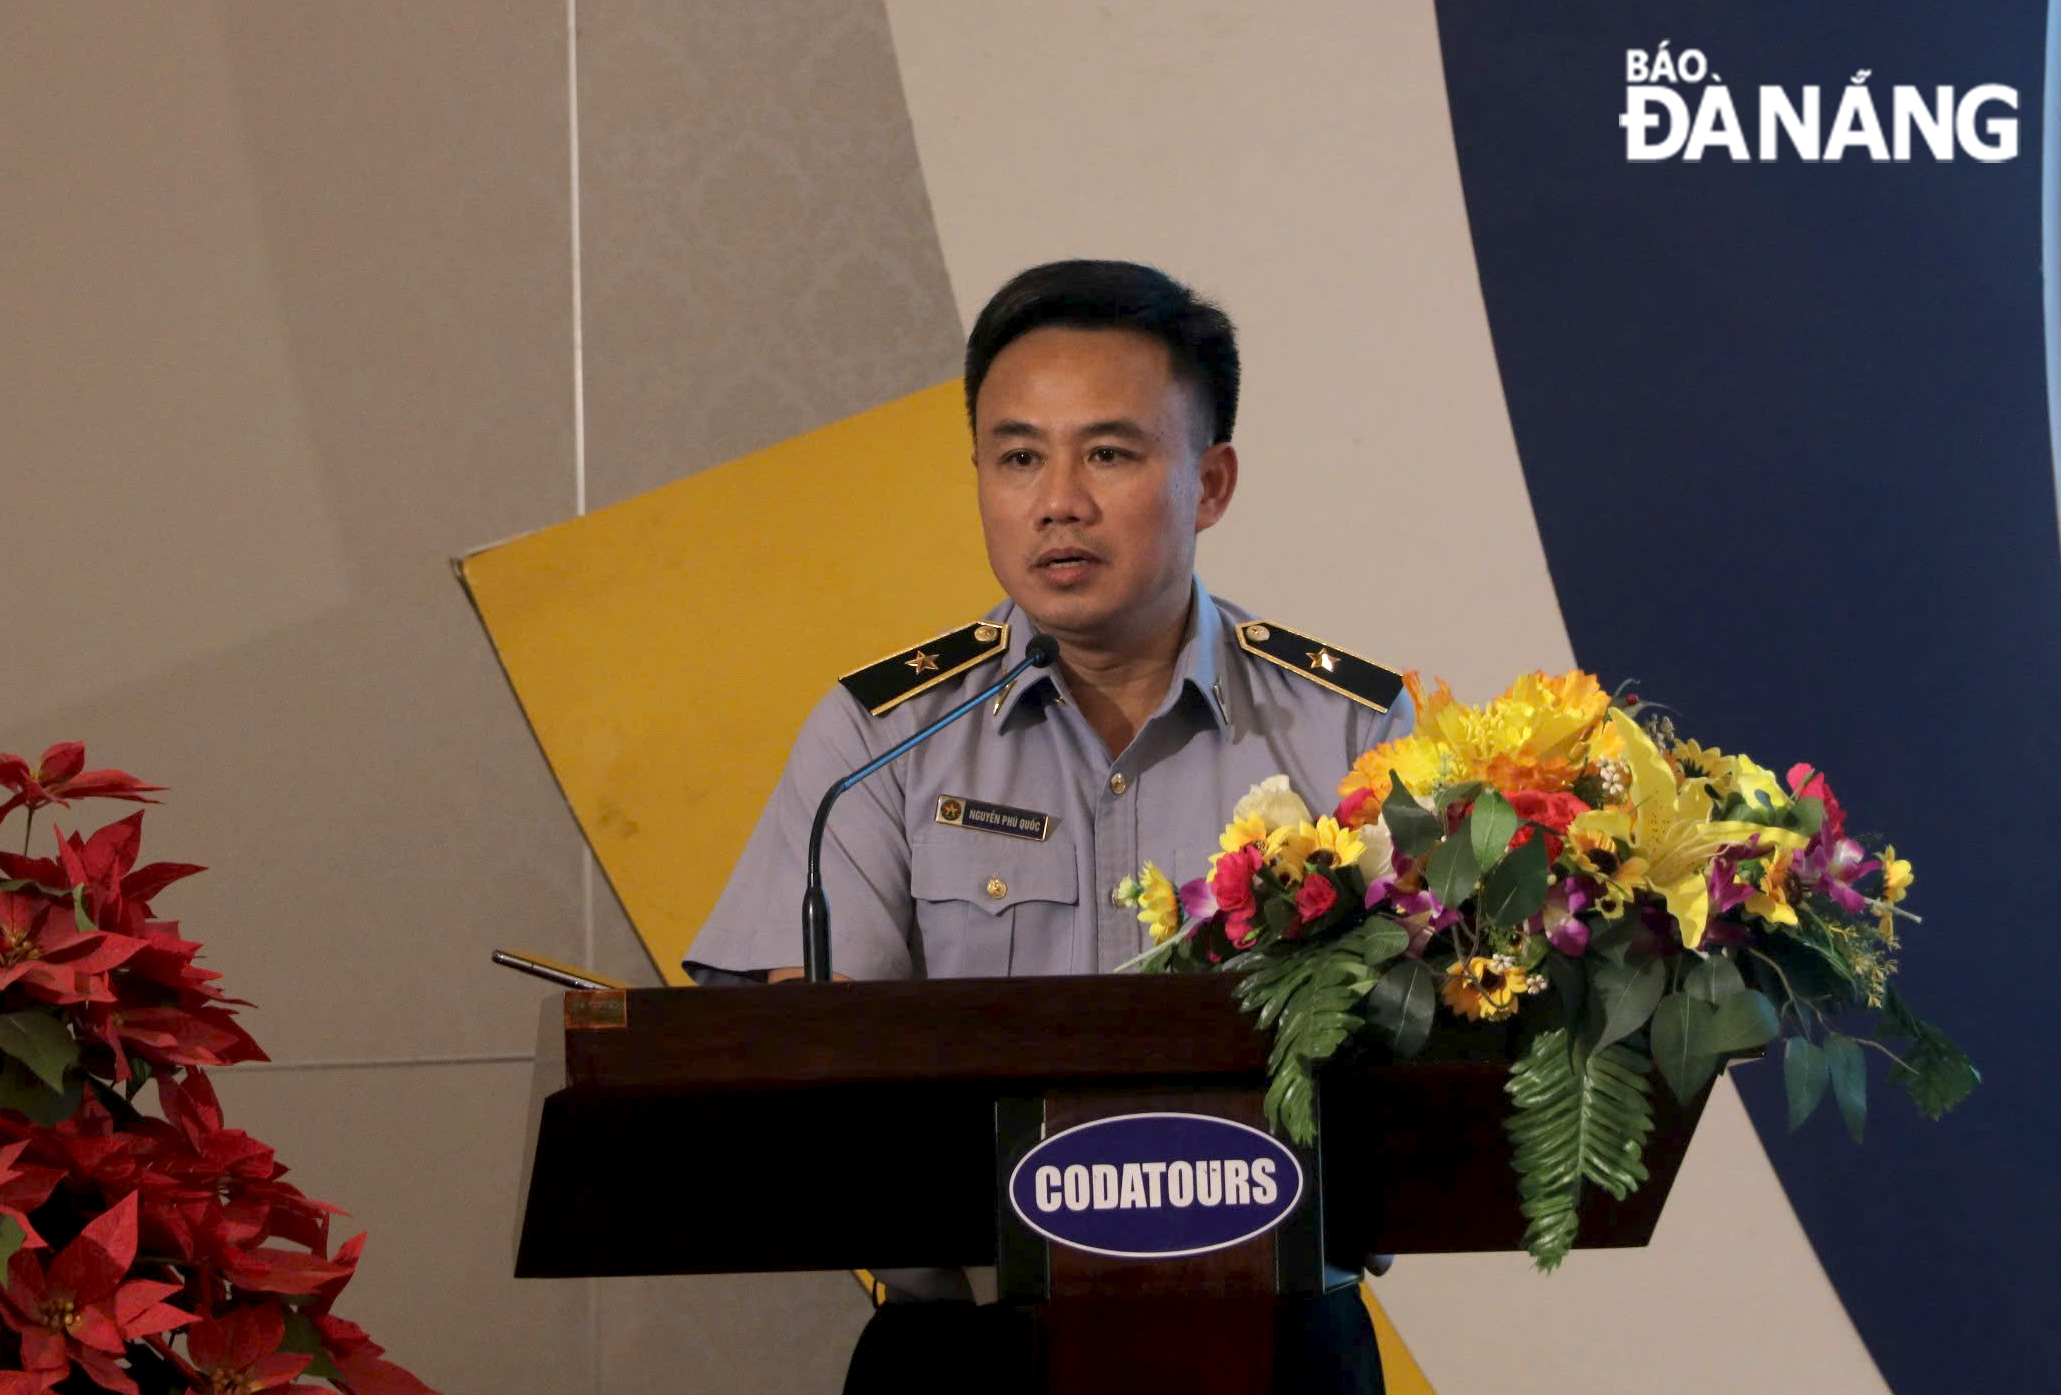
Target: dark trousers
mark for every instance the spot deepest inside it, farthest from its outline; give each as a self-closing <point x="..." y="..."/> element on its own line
<point x="1322" y="1346"/>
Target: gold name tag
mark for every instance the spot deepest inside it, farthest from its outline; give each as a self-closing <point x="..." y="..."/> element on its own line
<point x="993" y="818"/>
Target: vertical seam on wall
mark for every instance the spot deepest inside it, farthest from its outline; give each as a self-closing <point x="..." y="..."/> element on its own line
<point x="579" y="400"/>
<point x="2050" y="238"/>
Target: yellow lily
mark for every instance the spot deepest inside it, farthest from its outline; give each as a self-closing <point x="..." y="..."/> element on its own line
<point x="1670" y="832"/>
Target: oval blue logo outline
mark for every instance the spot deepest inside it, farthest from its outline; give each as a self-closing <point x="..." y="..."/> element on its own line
<point x="1166" y="1138"/>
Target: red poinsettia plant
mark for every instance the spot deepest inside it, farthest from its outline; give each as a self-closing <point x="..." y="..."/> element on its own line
<point x="144" y="1254"/>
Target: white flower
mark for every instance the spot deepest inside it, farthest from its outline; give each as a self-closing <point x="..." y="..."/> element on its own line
<point x="1276" y="805"/>
<point x="1377" y="852"/>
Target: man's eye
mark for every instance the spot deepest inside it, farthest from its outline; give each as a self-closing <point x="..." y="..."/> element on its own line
<point x="1018" y="458"/>
<point x="1108" y="455"/>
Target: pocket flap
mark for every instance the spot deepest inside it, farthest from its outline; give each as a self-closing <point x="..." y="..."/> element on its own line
<point x="992" y="872"/>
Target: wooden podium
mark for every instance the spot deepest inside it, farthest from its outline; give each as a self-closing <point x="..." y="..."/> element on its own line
<point x="846" y="1125"/>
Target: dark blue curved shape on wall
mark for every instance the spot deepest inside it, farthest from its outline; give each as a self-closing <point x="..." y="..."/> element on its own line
<point x="1786" y="431"/>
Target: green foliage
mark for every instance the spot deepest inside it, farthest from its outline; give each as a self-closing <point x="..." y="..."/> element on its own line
<point x="1452" y="873"/>
<point x="1805" y="1073"/>
<point x="21" y="1089"/>
<point x="1677" y="1023"/>
<point x="1490" y="827"/>
<point x="1581" y="1117"/>
<point x="39" y="1039"/>
<point x="1626" y="997"/>
<point x="1515" y="888"/>
<point x="1403" y="1004"/>
<point x="1414" y="827"/>
<point x="305" y="1339"/>
<point x="1311" y="994"/>
<point x="1849" y="1072"/>
<point x="1714" y="979"/>
<point x="1933" y="1072"/>
<point x="11" y="1237"/>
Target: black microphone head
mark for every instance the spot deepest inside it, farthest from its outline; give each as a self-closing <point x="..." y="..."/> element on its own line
<point x="1041" y="651"/>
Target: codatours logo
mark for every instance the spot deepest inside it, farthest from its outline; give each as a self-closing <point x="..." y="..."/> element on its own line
<point x="1677" y="108"/>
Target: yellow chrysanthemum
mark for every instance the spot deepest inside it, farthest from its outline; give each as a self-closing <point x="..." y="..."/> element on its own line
<point x="1670" y="832"/>
<point x="1159" y="905"/>
<point x="1535" y="736"/>
<point x="1483" y="989"/>
<point x="1417" y="759"/>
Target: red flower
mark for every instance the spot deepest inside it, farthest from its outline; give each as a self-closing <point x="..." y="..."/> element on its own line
<point x="1314" y="898"/>
<point x="60" y="777"/>
<point x="1807" y="782"/>
<point x="240" y="1352"/>
<point x="1556" y="811"/>
<point x="81" y="1312"/>
<point x="1357" y="809"/>
<point x="42" y="949"/>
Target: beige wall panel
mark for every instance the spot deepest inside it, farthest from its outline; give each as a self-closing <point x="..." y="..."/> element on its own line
<point x="373" y="811"/>
<point x="731" y="1333"/>
<point x="161" y="492"/>
<point x="428" y="1160"/>
<point x="758" y="253"/>
<point x="1294" y="160"/>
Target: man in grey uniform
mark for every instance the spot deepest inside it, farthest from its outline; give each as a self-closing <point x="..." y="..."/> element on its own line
<point x="1101" y="396"/>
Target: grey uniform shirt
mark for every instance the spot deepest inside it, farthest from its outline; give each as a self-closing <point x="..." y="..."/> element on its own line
<point x="913" y="897"/>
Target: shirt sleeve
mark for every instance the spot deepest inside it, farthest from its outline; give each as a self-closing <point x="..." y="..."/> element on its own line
<point x="1372" y="728"/>
<point x="756" y="923"/>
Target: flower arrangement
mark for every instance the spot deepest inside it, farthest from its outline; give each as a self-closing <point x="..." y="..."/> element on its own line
<point x="127" y="1237"/>
<point x="1563" y="862"/>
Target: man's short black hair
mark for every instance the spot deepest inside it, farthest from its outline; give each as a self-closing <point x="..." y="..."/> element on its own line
<point x="1198" y="336"/>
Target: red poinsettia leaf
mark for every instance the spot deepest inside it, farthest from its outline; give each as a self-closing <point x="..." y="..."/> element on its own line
<point x="61" y="762"/>
<point x="97" y="1329"/>
<point x="45" y="872"/>
<point x="109" y="784"/>
<point x="105" y="1371"/>
<point x="139" y="1311"/>
<point x="270" y="1270"/>
<point x="271" y="1372"/>
<point x="22" y="1383"/>
<point x="369" y="1375"/>
<point x="191" y="1104"/>
<point x="111" y="851"/>
<point x="341" y="1335"/>
<point x="146" y="882"/>
<point x="347" y="1254"/>
<point x="89" y="1268"/>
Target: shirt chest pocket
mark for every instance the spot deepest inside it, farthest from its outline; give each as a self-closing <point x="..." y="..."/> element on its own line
<point x="983" y="899"/>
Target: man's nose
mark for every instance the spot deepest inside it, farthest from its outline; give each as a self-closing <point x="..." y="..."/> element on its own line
<point x="1063" y="493"/>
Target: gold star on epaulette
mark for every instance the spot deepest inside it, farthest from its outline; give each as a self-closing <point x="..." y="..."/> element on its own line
<point x="1324" y="664"/>
<point x="886" y="684"/>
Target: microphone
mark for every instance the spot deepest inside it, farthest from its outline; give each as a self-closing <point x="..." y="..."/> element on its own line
<point x="1039" y="653"/>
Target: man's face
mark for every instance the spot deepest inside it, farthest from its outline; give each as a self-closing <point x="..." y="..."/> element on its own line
<point x="1094" y="482"/>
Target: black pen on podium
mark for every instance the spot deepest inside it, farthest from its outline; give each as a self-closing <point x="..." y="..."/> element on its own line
<point x="1039" y="653"/>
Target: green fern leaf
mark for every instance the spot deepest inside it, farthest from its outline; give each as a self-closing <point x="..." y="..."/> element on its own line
<point x="1581" y="1118"/>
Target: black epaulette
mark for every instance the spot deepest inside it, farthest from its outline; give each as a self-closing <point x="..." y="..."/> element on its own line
<point x="882" y="686"/>
<point x="1324" y="664"/>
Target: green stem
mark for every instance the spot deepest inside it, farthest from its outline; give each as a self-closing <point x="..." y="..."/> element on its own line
<point x="1795" y="1002"/>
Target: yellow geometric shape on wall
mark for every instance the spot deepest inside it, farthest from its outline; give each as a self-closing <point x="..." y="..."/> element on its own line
<point x="666" y="649"/>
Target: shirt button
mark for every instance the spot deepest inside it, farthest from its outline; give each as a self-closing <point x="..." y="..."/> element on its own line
<point x="997" y="888"/>
<point x="1118" y="784"/>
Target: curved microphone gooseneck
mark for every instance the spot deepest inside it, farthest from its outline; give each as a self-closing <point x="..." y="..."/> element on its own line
<point x="1039" y="653"/>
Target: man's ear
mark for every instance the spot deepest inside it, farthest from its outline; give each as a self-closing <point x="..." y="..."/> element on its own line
<point x="1217" y="472"/>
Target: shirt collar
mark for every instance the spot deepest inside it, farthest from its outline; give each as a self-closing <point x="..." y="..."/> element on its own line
<point x="1196" y="666"/>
